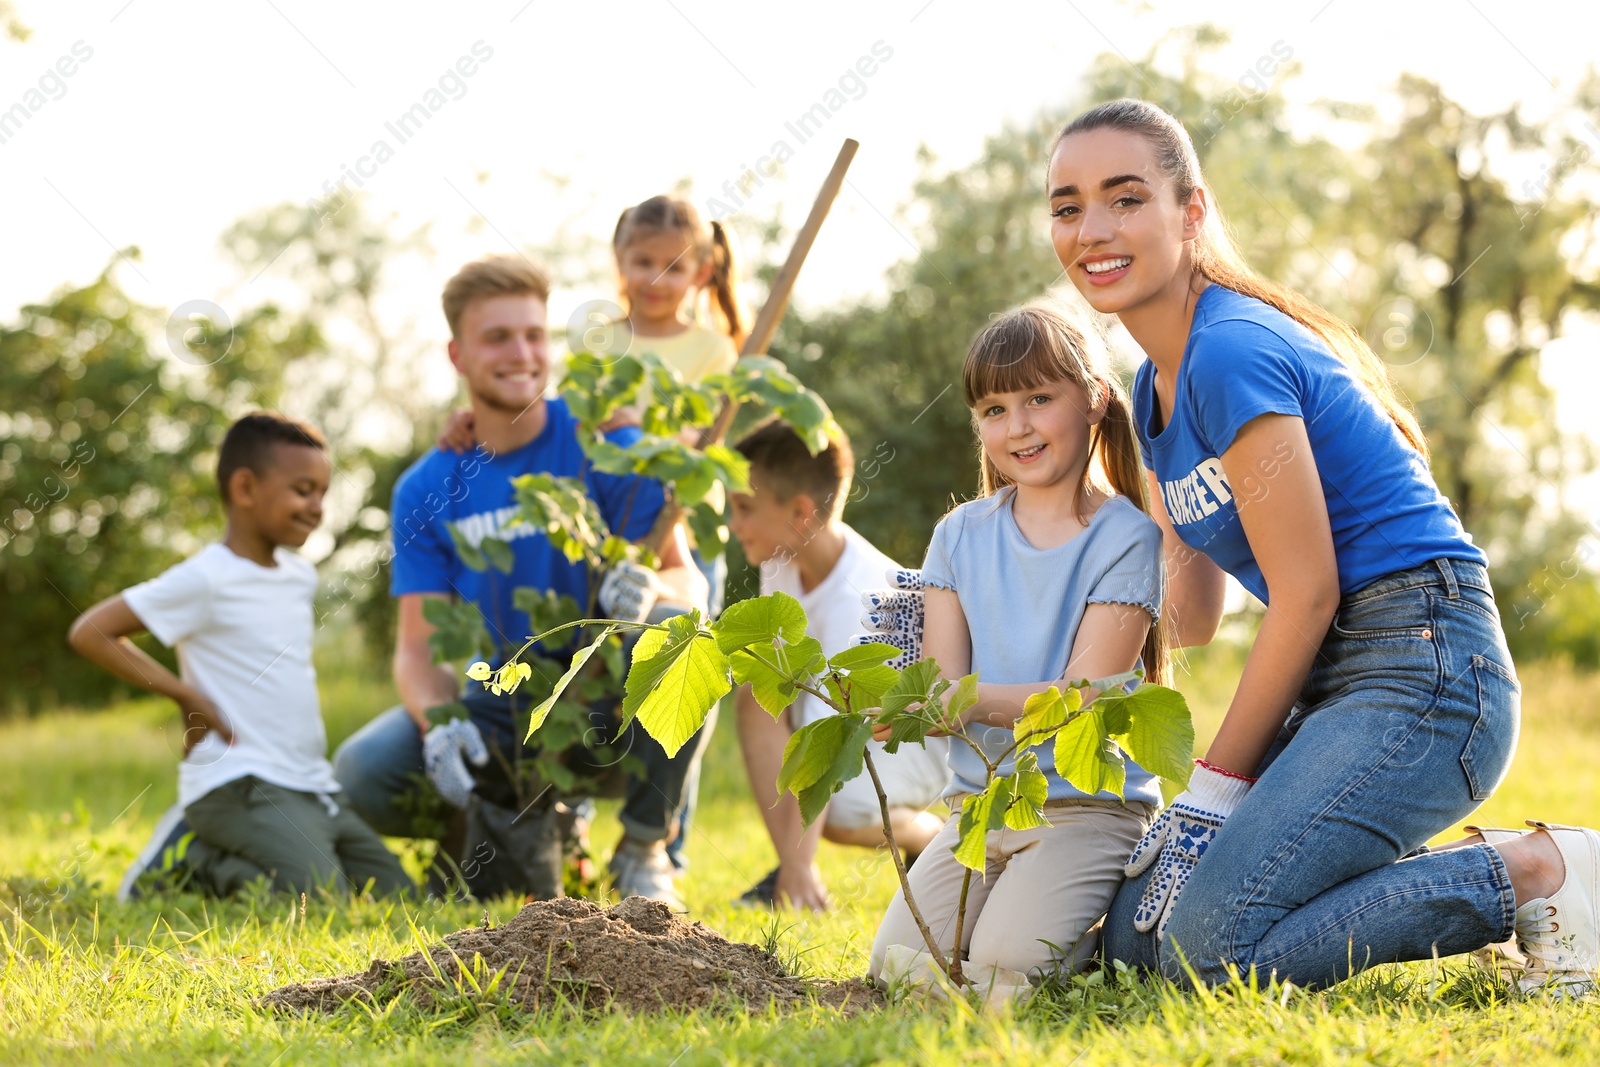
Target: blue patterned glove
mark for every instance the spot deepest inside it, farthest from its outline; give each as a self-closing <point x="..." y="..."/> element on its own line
<point x="894" y="616"/>
<point x="1180" y="836"/>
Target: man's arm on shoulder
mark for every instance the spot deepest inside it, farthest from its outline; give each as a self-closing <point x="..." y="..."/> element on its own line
<point x="422" y="683"/>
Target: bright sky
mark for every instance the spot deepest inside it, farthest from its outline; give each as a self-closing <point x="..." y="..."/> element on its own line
<point x="179" y="117"/>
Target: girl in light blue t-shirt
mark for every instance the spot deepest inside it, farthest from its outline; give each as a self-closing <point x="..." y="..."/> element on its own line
<point x="1055" y="571"/>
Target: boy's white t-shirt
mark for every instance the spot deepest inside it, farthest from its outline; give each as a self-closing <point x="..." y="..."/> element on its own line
<point x="243" y="634"/>
<point x="833" y="608"/>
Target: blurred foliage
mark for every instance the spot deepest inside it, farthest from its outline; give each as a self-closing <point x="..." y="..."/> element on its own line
<point x="106" y="466"/>
<point x="1406" y="223"/>
<point x="14" y="28"/>
<point x="1456" y="279"/>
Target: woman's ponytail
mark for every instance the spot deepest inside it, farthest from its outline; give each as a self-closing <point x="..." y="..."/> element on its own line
<point x="1117" y="448"/>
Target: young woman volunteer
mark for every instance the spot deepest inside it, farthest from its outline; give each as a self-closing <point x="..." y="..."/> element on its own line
<point x="1378" y="705"/>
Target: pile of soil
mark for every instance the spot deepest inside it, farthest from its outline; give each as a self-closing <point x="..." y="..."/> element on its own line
<point x="637" y="956"/>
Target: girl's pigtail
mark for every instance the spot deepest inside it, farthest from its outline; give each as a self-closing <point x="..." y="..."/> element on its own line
<point x="725" y="284"/>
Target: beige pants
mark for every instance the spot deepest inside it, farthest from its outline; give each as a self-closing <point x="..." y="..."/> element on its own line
<point x="1051" y="884"/>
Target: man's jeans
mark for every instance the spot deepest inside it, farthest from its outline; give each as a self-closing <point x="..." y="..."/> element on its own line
<point x="1406" y="724"/>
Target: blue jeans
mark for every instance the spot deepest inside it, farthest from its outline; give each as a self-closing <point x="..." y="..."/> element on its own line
<point x="1406" y="724"/>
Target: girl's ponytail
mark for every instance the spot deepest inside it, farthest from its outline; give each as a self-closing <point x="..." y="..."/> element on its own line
<point x="725" y="284"/>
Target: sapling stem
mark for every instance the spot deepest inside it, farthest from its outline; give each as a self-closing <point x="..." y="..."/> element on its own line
<point x="961" y="918"/>
<point x="953" y="967"/>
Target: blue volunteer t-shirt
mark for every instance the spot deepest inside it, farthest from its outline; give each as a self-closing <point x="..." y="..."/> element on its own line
<point x="472" y="491"/>
<point x="1245" y="358"/>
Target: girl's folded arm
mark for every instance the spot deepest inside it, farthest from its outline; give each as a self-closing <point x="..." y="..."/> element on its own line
<point x="1109" y="641"/>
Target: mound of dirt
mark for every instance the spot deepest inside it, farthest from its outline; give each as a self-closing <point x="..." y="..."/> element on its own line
<point x="637" y="956"/>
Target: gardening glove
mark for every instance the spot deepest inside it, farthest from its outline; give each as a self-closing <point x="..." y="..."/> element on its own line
<point x="894" y="616"/>
<point x="446" y="751"/>
<point x="629" y="591"/>
<point x="1178" y="838"/>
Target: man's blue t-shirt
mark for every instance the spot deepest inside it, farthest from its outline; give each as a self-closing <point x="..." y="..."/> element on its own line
<point x="1245" y="358"/>
<point x="472" y="491"/>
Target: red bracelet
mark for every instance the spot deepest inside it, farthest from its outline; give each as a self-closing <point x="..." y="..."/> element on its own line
<point x="1214" y="769"/>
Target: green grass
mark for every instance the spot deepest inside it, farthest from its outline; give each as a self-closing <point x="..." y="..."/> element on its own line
<point x="83" y="979"/>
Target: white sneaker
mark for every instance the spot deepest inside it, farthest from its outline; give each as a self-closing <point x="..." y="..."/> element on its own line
<point x="1560" y="934"/>
<point x="1502" y="958"/>
<point x="640" y="870"/>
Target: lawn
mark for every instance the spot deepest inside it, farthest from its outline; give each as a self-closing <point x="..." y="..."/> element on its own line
<point x="84" y="979"/>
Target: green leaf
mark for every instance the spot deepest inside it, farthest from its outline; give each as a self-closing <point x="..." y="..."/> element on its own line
<point x="1087" y="758"/>
<point x="731" y="466"/>
<point x="537" y="716"/>
<point x="440" y="714"/>
<point x="1160" y="733"/>
<point x="866" y="685"/>
<point x="466" y="550"/>
<point x="710" y="532"/>
<point x="817" y="764"/>
<point x="760" y="619"/>
<point x="498" y="553"/>
<point x="677" y="676"/>
<point x="693" y="486"/>
<point x="610" y="458"/>
<point x="1045" y="712"/>
<point x="1029" y="791"/>
<point x="810" y="418"/>
<point x="775" y="672"/>
<point x="810" y="751"/>
<point x="979" y="815"/>
<point x="858" y="656"/>
<point x="772" y="690"/>
<point x="458" y="630"/>
<point x="905" y="726"/>
<point x="916" y="685"/>
<point x="963" y="698"/>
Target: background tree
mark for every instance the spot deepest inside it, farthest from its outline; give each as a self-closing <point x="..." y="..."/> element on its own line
<point x="1456" y="279"/>
<point x="107" y="448"/>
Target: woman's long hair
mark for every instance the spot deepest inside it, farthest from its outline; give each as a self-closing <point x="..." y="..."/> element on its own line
<point x="1216" y="258"/>
<point x="1035" y="345"/>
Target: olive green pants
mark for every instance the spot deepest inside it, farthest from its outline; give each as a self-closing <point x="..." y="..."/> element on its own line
<point x="248" y="829"/>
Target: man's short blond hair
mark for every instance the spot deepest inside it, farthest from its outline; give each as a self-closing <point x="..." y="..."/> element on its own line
<point x="502" y="275"/>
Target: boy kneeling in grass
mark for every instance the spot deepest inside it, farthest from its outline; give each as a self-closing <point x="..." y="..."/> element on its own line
<point x="255" y="787"/>
<point x="790" y="526"/>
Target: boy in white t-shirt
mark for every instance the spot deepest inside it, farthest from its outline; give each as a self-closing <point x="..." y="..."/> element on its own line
<point x="791" y="528"/>
<point x="255" y="787"/>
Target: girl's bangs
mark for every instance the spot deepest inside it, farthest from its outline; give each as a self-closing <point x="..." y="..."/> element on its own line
<point x="1014" y="354"/>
